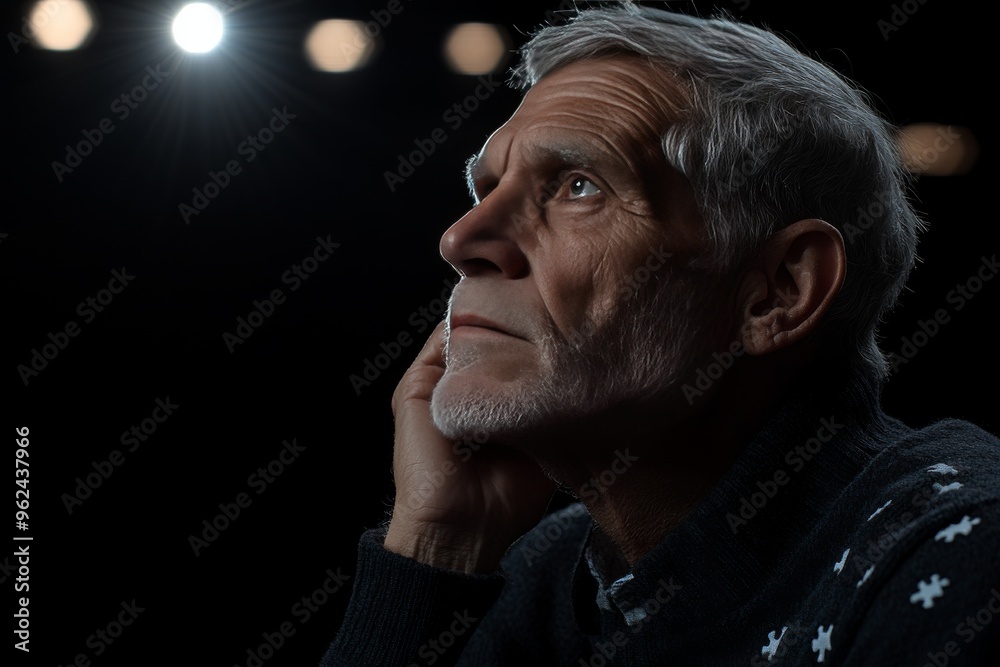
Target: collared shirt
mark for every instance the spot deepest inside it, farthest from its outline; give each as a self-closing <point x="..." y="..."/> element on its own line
<point x="607" y="564"/>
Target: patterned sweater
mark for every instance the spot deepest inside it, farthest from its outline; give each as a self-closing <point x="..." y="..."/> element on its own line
<point x="840" y="536"/>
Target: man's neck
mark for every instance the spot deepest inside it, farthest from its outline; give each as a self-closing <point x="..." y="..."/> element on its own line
<point x="640" y="472"/>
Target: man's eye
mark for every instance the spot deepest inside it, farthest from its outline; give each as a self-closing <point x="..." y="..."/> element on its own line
<point x="582" y="187"/>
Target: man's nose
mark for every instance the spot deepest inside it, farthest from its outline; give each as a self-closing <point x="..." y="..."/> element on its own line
<point x="486" y="239"/>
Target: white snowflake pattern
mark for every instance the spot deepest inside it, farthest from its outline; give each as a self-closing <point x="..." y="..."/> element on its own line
<point x="822" y="642"/>
<point x="839" y="565"/>
<point x="954" y="486"/>
<point x="942" y="469"/>
<point x="928" y="591"/>
<point x="772" y="643"/>
<point x="879" y="510"/>
<point x="867" y="574"/>
<point x="963" y="527"/>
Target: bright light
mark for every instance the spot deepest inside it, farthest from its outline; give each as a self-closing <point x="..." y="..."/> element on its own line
<point x="198" y="27"/>
<point x="475" y="48"/>
<point x="339" y="45"/>
<point x="61" y="25"/>
<point x="937" y="150"/>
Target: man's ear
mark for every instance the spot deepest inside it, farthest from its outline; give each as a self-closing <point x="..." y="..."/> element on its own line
<point x="785" y="293"/>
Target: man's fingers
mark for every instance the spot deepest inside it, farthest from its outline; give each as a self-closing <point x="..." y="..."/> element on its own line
<point x="432" y="353"/>
<point x="425" y="371"/>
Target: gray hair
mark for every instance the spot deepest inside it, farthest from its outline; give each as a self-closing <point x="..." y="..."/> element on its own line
<point x="770" y="136"/>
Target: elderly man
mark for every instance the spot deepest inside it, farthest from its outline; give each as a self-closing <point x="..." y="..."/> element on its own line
<point x="668" y="308"/>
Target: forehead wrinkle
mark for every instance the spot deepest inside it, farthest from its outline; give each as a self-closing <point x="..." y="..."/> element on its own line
<point x="638" y="84"/>
<point x="629" y="97"/>
<point x="635" y="130"/>
<point x="635" y="124"/>
<point x="637" y="102"/>
<point x="620" y="153"/>
<point x="617" y="136"/>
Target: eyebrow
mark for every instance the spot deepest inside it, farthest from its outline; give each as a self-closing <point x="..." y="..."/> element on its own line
<point x="470" y="175"/>
<point x="561" y="153"/>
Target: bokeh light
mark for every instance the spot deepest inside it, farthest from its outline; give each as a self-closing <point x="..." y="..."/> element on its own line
<point x="475" y="48"/>
<point x="61" y="25"/>
<point x="339" y="45"/>
<point x="937" y="150"/>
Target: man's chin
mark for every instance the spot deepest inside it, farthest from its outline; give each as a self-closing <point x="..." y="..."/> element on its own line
<point x="464" y="407"/>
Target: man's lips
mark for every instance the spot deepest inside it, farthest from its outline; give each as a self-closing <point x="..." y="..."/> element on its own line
<point x="470" y="320"/>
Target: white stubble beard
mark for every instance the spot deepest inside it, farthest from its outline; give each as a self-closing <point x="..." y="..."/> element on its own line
<point x="646" y="346"/>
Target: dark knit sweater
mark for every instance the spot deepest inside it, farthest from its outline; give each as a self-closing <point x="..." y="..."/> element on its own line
<point x="840" y="536"/>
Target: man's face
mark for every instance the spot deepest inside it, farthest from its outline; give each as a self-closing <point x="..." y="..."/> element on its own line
<point x="574" y="295"/>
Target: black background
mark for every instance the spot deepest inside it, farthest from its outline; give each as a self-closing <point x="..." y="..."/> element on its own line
<point x="322" y="176"/>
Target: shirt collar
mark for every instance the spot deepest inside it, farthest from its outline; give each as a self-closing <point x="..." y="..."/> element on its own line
<point x="704" y="554"/>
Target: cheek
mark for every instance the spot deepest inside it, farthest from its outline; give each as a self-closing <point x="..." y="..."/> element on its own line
<point x="624" y="264"/>
<point x="582" y="284"/>
<point x="567" y="282"/>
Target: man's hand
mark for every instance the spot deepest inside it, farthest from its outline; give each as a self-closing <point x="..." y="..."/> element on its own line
<point x="450" y="513"/>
